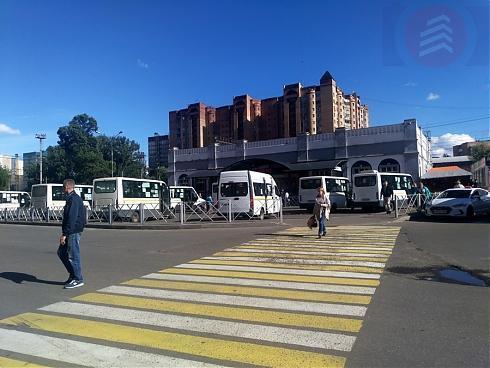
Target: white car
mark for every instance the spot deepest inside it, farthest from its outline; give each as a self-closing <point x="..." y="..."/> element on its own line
<point x="466" y="202"/>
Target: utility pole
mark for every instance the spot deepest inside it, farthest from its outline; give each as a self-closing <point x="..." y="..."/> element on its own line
<point x="41" y="137"/>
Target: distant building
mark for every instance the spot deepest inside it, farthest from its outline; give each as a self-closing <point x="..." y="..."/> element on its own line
<point x="465" y="149"/>
<point x="301" y="109"/>
<point x="481" y="172"/>
<point x="158" y="151"/>
<point x="31" y="159"/>
<point x="463" y="162"/>
<point x="16" y="167"/>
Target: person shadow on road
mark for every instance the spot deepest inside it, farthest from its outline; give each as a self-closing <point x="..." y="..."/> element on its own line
<point x="19" y="278"/>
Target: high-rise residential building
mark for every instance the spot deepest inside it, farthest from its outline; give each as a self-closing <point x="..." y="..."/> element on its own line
<point x="313" y="109"/>
<point x="15" y="165"/>
<point x="158" y="147"/>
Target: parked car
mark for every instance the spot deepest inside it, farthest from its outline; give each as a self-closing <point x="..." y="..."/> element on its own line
<point x="466" y="202"/>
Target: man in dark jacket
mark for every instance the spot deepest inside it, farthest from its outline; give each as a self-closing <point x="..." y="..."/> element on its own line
<point x="74" y="219"/>
<point x="387" y="193"/>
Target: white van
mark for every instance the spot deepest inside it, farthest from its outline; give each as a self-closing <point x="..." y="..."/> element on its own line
<point x="366" y="189"/>
<point x="250" y="192"/>
<point x="186" y="194"/>
<point x="337" y="187"/>
<point x="14" y="199"/>
<point x="125" y="194"/>
<point x="52" y="196"/>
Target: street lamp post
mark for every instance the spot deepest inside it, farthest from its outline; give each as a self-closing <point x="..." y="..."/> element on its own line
<point x="175" y="174"/>
<point x="112" y="152"/>
<point x="41" y="137"/>
<point x="244" y="149"/>
<point x="215" y="155"/>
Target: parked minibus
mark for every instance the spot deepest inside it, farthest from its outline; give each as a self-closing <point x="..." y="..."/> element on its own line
<point x="186" y="194"/>
<point x="52" y="195"/>
<point x="249" y="192"/>
<point x="14" y="199"/>
<point x="337" y="187"/>
<point x="366" y="187"/>
<point x="125" y="194"/>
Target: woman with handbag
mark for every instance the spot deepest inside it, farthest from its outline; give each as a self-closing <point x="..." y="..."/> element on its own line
<point x="321" y="211"/>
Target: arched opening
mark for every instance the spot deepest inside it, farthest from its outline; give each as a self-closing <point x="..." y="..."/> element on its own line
<point x="389" y="165"/>
<point x="360" y="166"/>
<point x="286" y="180"/>
<point x="183" y="180"/>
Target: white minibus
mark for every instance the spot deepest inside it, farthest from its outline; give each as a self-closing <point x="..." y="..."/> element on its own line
<point x="52" y="196"/>
<point x="125" y="194"/>
<point x="249" y="192"/>
<point x="366" y="188"/>
<point x="14" y="199"/>
<point x="179" y="194"/>
<point x="337" y="187"/>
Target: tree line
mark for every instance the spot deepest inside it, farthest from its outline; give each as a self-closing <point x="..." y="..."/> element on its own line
<point x="83" y="155"/>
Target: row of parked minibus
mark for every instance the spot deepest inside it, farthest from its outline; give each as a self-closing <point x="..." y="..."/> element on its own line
<point x="243" y="191"/>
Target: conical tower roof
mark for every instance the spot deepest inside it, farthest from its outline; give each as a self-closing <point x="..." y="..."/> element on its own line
<point x="326" y="78"/>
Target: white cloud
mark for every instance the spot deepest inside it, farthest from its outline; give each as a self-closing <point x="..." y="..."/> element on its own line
<point x="444" y="144"/>
<point x="433" y="96"/>
<point x="410" y="84"/>
<point x="142" y="64"/>
<point x="5" y="129"/>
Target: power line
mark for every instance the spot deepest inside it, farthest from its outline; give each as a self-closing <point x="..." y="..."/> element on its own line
<point x="427" y="106"/>
<point x="456" y="122"/>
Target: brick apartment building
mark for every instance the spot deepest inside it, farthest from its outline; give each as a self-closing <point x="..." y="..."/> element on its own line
<point x="314" y="109"/>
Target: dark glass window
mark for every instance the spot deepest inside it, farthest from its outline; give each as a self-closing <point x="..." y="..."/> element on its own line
<point x="365" y="181"/>
<point x="311" y="183"/>
<point x="234" y="189"/>
<point x="105" y="186"/>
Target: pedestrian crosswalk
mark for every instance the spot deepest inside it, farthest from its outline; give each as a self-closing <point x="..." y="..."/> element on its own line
<point x="281" y="300"/>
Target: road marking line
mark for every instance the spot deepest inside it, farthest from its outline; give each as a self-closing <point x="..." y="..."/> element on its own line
<point x="250" y="291"/>
<point x="295" y="267"/>
<point x="376" y="240"/>
<point x="84" y="353"/>
<point x="238" y="253"/>
<point x="183" y="275"/>
<point x="234" y="313"/>
<point x="302" y="252"/>
<point x="272" y="268"/>
<point x="234" y="351"/>
<point x="14" y="363"/>
<point x="269" y="303"/>
<point x="282" y="335"/>
<point x="335" y="249"/>
<point x="299" y="261"/>
<point x="275" y="277"/>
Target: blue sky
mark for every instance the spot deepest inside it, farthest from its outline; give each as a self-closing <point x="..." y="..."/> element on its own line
<point x="128" y="63"/>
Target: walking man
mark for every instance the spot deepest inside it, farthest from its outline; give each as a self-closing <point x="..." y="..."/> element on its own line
<point x="72" y="227"/>
<point x="387" y="193"/>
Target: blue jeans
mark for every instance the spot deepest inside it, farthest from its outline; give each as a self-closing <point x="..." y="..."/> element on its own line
<point x="70" y="256"/>
<point x="321" y="225"/>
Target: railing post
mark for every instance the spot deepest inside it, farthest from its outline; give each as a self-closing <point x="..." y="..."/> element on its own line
<point x="142" y="213"/>
<point x="230" y="216"/>
<point x="48" y="214"/>
<point x="182" y="213"/>
<point x="281" y="215"/>
<point x="110" y="214"/>
<point x="396" y="207"/>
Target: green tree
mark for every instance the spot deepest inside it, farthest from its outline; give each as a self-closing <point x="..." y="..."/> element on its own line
<point x="127" y="157"/>
<point x="159" y="173"/>
<point x="4" y="178"/>
<point x="31" y="175"/>
<point x="479" y="151"/>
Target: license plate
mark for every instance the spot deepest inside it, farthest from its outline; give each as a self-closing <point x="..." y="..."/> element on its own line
<point x="439" y="212"/>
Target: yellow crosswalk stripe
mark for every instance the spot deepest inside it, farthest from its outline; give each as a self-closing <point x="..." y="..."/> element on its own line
<point x="312" y="249"/>
<point x="290" y="266"/>
<point x="231" y="313"/>
<point x="213" y="348"/>
<point x="299" y="256"/>
<point x="14" y="363"/>
<point x="253" y="291"/>
<point x="274" y="277"/>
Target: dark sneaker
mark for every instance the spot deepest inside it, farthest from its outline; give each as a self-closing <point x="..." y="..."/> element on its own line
<point x="70" y="279"/>
<point x="74" y="284"/>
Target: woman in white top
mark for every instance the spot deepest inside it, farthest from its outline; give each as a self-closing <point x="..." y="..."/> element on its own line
<point x="321" y="211"/>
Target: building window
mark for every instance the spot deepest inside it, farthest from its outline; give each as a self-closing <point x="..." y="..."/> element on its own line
<point x="389" y="165"/>
<point x="360" y="166"/>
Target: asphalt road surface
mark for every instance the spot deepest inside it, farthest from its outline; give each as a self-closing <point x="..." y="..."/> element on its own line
<point x="373" y="293"/>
